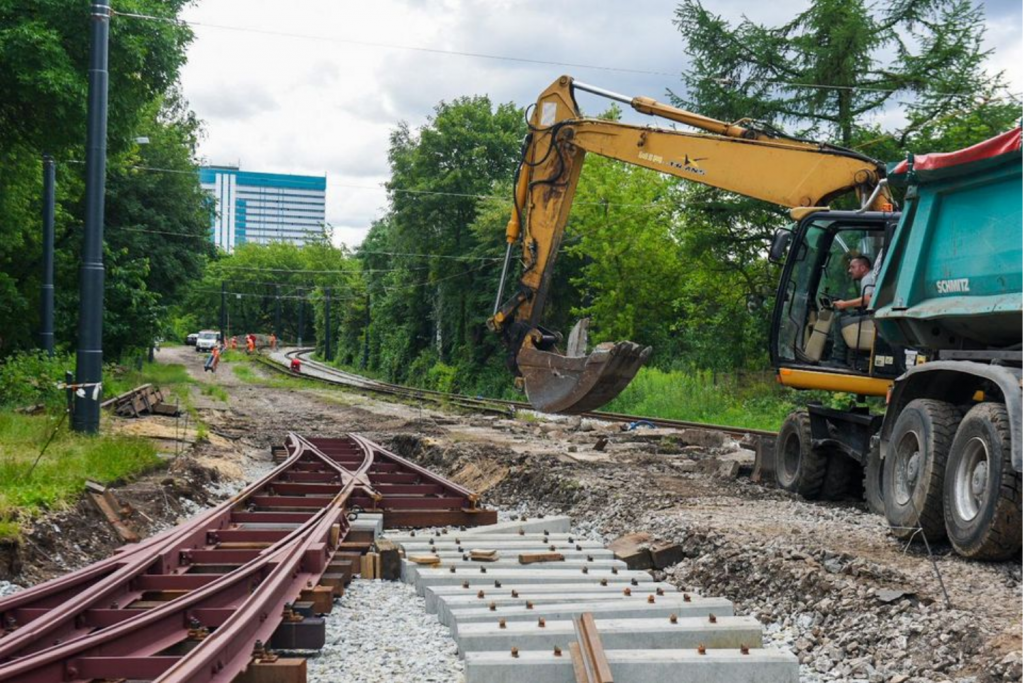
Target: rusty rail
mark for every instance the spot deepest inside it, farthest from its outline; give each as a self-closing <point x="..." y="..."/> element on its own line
<point x="491" y="405"/>
<point x="588" y="659"/>
<point x="204" y="601"/>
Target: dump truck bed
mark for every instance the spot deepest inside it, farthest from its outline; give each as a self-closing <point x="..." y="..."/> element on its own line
<point x="952" y="277"/>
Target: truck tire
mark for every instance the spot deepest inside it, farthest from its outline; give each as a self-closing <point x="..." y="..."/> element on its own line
<point x="798" y="467"/>
<point x="873" y="482"/>
<point x="839" y="470"/>
<point x="982" y="490"/>
<point x="915" y="468"/>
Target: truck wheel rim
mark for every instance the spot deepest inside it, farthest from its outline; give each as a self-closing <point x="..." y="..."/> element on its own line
<point x="971" y="481"/>
<point x="908" y="465"/>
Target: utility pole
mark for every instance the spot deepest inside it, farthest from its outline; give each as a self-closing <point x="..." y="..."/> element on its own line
<point x="223" y="309"/>
<point x="366" y="334"/>
<point x="302" y="308"/>
<point x="327" y="325"/>
<point x="49" y="208"/>
<point x="89" y="360"/>
<point x="277" y="310"/>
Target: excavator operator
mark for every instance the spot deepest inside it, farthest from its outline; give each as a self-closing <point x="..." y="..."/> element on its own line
<point x="854" y="320"/>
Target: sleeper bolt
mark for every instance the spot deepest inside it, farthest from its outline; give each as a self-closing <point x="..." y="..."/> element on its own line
<point x="501" y="623"/>
<point x="701" y="650"/>
<point x="673" y="619"/>
<point x="744" y="650"/>
<point x="627" y="592"/>
<point x="529" y="605"/>
<point x="465" y="584"/>
<point x="686" y="597"/>
<point x="579" y="547"/>
<point x="604" y="582"/>
<point x="712" y="619"/>
<point x="650" y="599"/>
<point x="515" y="651"/>
<point x="493" y="607"/>
<point x="451" y="569"/>
<point x="497" y="584"/>
<point x="586" y="570"/>
<point x="634" y="582"/>
<point x="483" y="570"/>
<point x="558" y="651"/>
<point x="615" y="570"/>
<point x="480" y="594"/>
<point x="659" y="591"/>
<point x="515" y="593"/>
<point x="540" y="622"/>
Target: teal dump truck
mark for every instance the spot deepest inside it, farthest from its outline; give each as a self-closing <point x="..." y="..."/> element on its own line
<point x="940" y="340"/>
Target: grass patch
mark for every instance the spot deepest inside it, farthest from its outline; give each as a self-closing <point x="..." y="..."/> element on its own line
<point x="164" y="375"/>
<point x="245" y="373"/>
<point x="59" y="477"/>
<point x="215" y="391"/>
<point x="753" y="401"/>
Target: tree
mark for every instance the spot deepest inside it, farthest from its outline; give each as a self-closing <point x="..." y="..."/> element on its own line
<point x="837" y="63"/>
<point x="44" y="53"/>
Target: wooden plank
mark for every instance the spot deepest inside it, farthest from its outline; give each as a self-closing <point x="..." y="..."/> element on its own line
<point x="532" y="558"/>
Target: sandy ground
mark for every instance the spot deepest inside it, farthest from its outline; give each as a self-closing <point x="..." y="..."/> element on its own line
<point x="826" y="579"/>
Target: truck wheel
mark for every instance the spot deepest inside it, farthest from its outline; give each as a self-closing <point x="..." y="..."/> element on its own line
<point x="915" y="467"/>
<point x="798" y="467"/>
<point x="839" y="470"/>
<point x="982" y="491"/>
<point x="873" y="481"/>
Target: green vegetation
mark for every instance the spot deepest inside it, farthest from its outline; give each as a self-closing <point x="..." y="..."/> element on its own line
<point x="751" y="400"/>
<point x="59" y="477"/>
<point x="156" y="223"/>
<point x="216" y="391"/>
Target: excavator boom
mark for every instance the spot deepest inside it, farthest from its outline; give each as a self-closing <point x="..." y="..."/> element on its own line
<point x="741" y="157"/>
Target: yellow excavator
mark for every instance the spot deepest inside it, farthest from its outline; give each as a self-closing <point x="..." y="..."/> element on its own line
<point x="745" y="157"/>
<point x="934" y="288"/>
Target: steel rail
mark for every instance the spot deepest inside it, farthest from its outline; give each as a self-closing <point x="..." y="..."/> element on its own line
<point x="129" y="646"/>
<point x="501" y="406"/>
<point x="108" y="581"/>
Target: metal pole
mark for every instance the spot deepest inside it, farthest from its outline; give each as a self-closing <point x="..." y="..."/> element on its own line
<point x="277" y="310"/>
<point x="366" y="334"/>
<point x="223" y="309"/>
<point x="49" y="208"/>
<point x="89" y="367"/>
<point x="327" y="325"/>
<point x="302" y="308"/>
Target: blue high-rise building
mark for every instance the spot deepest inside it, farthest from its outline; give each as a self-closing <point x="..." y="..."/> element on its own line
<point x="263" y="207"/>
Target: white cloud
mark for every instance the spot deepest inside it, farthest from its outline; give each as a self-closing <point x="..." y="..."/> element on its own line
<point x="289" y="96"/>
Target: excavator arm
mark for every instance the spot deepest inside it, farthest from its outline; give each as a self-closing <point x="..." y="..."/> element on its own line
<point x="742" y="157"/>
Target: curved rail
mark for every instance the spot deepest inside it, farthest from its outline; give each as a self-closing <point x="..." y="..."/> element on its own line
<point x="198" y="603"/>
<point x="491" y="405"/>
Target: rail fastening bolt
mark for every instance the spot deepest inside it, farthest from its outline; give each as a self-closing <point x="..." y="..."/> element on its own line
<point x="626" y="591"/>
<point x="515" y="593"/>
<point x="497" y="584"/>
<point x="493" y="607"/>
<point x="712" y="619"/>
<point x="501" y="623"/>
<point x="540" y="622"/>
<point x="480" y="594"/>
<point x="558" y="651"/>
<point x="465" y="584"/>
<point x="686" y="597"/>
<point x="515" y="651"/>
<point x="744" y="650"/>
<point x="673" y="619"/>
<point x="451" y="569"/>
<point x="659" y="591"/>
<point x="701" y="650"/>
<point x="650" y="599"/>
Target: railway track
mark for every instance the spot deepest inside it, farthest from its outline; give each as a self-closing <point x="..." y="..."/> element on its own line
<point x="205" y="601"/>
<point x="316" y="370"/>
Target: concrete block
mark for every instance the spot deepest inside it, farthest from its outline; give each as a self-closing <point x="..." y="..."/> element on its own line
<point x="638" y="666"/>
<point x="635" y="608"/>
<point x="436" y="596"/>
<point x="633" y="549"/>
<point x="616" y="634"/>
<point x="453" y="555"/>
<point x="372" y="522"/>
<point x="506" y="546"/>
<point x="443" y="577"/>
<point x="470" y="567"/>
<point x="556" y="524"/>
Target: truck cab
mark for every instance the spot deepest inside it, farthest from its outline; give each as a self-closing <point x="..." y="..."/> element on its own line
<point x="206" y="340"/>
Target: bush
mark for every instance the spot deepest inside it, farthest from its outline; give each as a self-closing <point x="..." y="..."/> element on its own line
<point x="443" y="377"/>
<point x="32" y="378"/>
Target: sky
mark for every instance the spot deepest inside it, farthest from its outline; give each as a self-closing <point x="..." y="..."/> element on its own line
<point x="315" y="87"/>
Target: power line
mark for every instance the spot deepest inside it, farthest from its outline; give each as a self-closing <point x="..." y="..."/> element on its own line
<point x="508" y="58"/>
<point x="391" y="46"/>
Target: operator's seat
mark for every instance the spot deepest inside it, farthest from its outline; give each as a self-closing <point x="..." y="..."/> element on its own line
<point x="858" y="332"/>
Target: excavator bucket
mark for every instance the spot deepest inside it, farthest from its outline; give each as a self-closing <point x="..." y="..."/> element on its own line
<point x="577" y="383"/>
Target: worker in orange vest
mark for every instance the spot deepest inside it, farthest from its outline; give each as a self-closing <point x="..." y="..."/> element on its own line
<point x="213" y="360"/>
<point x="273" y="341"/>
<point x="234" y="343"/>
<point x="250" y="344"/>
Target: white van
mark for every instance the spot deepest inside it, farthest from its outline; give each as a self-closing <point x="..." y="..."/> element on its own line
<point x="206" y="340"/>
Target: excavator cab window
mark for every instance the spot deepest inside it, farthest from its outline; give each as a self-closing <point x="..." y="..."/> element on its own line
<point x="809" y="331"/>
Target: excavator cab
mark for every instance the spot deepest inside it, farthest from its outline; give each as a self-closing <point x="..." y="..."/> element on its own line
<point x="810" y="338"/>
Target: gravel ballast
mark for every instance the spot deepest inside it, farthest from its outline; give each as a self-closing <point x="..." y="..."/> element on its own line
<point x="380" y="632"/>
